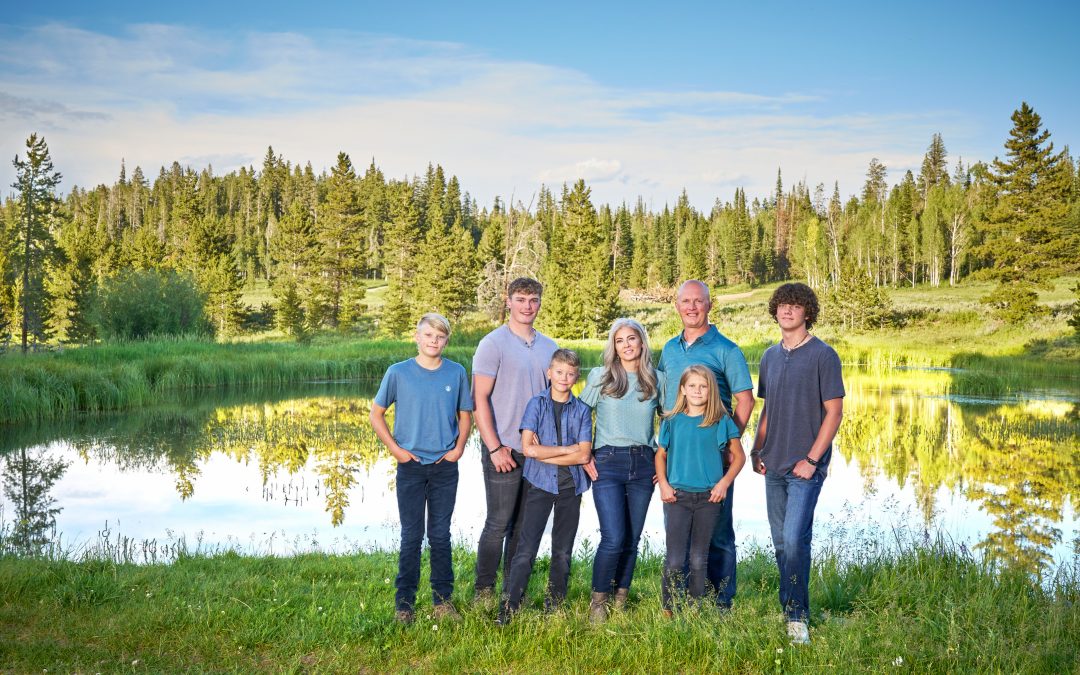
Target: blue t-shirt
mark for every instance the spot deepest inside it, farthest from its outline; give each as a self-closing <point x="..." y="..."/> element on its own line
<point x="576" y="427"/>
<point x="626" y="421"/>
<point x="695" y="454"/>
<point x="722" y="356"/>
<point x="427" y="405"/>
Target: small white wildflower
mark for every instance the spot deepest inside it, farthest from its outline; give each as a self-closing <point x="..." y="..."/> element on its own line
<point x="148" y="594"/>
<point x="320" y="609"/>
<point x="386" y="580"/>
<point x="434" y="626"/>
<point x="898" y="661"/>
<point x="779" y="650"/>
<point x="135" y="662"/>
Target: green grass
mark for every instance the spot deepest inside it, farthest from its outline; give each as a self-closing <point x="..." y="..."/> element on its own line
<point x="927" y="607"/>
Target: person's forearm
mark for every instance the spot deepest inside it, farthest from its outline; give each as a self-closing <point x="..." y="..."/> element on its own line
<point x="570" y="455"/>
<point x="759" y="436"/>
<point x="826" y="433"/>
<point x="382" y="430"/>
<point x="744" y="407"/>
<point x="485" y="423"/>
<point x="464" y="427"/>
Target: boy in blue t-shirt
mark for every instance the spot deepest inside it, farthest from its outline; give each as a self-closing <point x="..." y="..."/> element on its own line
<point x="556" y="437"/>
<point x="431" y="425"/>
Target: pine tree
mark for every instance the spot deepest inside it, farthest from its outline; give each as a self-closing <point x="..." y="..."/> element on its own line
<point x="1027" y="240"/>
<point x="35" y="183"/>
<point x="580" y="296"/>
<point x="935" y="169"/>
<point x="402" y="239"/>
<point x="340" y="249"/>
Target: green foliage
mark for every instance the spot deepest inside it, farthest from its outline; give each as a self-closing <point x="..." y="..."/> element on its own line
<point x="139" y="304"/>
<point x="37" y="208"/>
<point x="1015" y="303"/>
<point x="290" y="312"/>
<point x="857" y="303"/>
<point x="28" y="479"/>
<point x="1074" y="313"/>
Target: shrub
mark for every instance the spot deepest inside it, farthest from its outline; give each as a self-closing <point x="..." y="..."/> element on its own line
<point x="138" y="304"/>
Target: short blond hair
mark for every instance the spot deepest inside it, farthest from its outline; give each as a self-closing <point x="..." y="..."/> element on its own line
<point x="436" y="321"/>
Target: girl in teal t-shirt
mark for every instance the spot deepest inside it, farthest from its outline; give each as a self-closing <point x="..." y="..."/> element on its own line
<point x="695" y="439"/>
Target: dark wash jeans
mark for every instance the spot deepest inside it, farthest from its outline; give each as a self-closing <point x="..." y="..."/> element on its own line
<point x="791" y="501"/>
<point x="431" y="488"/>
<point x="690" y="522"/>
<point x="722" y="555"/>
<point x="537" y="506"/>
<point x="621" y="492"/>
<point x="499" y="538"/>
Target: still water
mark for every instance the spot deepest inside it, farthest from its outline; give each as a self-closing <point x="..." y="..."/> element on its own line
<point x="301" y="470"/>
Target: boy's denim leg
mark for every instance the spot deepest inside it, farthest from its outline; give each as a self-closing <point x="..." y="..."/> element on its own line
<point x="722" y="555"/>
<point x="563" y="531"/>
<point x="412" y="498"/>
<point x="639" y="490"/>
<point x="791" y="501"/>
<point x="609" y="495"/>
<point x="441" y="497"/>
<point x="536" y="508"/>
<point x="501" y="530"/>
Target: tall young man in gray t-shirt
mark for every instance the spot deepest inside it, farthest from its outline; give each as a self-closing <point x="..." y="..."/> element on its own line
<point x="801" y="384"/>
<point x="509" y="368"/>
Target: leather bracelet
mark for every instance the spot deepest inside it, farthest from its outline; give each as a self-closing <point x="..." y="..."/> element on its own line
<point x="492" y="452"/>
<point x="811" y="461"/>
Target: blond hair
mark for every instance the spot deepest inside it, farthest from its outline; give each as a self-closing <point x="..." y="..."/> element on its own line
<point x="567" y="356"/>
<point x="615" y="382"/>
<point x="436" y="321"/>
<point x="714" y="407"/>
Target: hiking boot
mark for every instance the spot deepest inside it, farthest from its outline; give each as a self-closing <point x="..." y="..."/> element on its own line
<point x="798" y="632"/>
<point x="504" y="615"/>
<point x="404" y="616"/>
<point x="598" y="608"/>
<point x="621" y="595"/>
<point x="668" y="614"/>
<point x="484" y="597"/>
<point x="444" y="611"/>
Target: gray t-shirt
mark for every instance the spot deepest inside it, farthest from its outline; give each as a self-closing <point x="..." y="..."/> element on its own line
<point x="795" y="386"/>
<point x="520" y="372"/>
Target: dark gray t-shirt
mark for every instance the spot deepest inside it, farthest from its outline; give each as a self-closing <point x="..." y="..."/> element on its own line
<point x="795" y="386"/>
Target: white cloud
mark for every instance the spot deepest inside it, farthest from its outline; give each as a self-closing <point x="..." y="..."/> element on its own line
<point x="161" y="93"/>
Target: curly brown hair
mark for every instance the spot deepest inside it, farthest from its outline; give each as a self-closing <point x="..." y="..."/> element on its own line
<point x="796" y="294"/>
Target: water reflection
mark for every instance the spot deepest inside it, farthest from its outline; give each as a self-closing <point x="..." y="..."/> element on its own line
<point x="304" y="459"/>
<point x="29" y="477"/>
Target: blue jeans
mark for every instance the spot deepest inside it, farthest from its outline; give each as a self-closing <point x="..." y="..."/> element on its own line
<point x="689" y="522"/>
<point x="431" y="488"/>
<point x="721" y="572"/>
<point x="622" y="493"/>
<point x="790" y="501"/>
<point x="498" y="539"/>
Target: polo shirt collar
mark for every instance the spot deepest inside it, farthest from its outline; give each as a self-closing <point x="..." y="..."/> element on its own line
<point x="710" y="334"/>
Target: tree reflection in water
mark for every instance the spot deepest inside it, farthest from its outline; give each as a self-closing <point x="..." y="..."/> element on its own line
<point x="1020" y="461"/>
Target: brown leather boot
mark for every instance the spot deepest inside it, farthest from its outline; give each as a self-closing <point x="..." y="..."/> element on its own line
<point x="621" y="594"/>
<point x="598" y="608"/>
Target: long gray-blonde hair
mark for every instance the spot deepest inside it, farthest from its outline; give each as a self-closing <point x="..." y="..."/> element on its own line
<point x="614" y="382"/>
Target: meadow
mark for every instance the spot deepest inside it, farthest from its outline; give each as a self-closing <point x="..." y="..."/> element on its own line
<point x="931" y="328"/>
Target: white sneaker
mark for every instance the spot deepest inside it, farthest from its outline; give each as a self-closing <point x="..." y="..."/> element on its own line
<point x="798" y="632"/>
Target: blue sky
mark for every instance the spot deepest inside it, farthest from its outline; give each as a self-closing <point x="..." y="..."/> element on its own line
<point x="637" y="98"/>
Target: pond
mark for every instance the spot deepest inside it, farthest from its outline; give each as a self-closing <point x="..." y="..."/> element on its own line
<point x="298" y="470"/>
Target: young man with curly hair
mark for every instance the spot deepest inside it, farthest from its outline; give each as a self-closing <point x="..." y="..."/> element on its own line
<point x="801" y="384"/>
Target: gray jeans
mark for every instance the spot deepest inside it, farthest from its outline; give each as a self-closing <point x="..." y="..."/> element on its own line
<point x="498" y="540"/>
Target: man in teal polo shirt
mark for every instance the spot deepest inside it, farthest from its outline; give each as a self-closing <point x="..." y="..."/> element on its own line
<point x="700" y="342"/>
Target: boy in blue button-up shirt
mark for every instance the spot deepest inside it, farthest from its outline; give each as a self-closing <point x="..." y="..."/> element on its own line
<point x="556" y="436"/>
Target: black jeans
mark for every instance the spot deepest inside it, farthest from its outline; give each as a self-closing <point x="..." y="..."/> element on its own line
<point x="689" y="521"/>
<point x="498" y="540"/>
<point x="537" y="506"/>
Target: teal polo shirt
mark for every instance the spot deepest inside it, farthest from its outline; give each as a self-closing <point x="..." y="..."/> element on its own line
<point x="722" y="356"/>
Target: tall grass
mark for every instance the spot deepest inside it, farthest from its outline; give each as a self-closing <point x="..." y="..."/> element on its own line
<point x="928" y="607"/>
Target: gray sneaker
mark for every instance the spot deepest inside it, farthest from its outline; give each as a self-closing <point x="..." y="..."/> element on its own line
<point x="798" y="632"/>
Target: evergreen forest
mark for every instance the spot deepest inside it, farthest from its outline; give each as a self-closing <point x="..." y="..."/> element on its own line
<point x="174" y="252"/>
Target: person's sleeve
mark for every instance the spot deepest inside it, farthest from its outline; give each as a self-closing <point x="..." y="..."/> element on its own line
<point x="487" y="358"/>
<point x="465" y="402"/>
<point x="387" y="393"/>
<point x="530" y="419"/>
<point x="725" y="431"/>
<point x="762" y="369"/>
<point x="663" y="437"/>
<point x="661" y="366"/>
<point x="584" y="424"/>
<point x="736" y="371"/>
<point x="590" y="395"/>
<point x="831" y="379"/>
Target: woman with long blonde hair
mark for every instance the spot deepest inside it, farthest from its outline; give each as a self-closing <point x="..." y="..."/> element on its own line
<point x="625" y="393"/>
